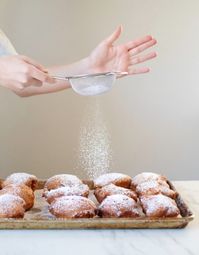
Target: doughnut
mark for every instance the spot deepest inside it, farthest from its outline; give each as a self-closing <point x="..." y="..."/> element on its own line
<point x="112" y="189"/>
<point x="22" y="191"/>
<point x="77" y="190"/>
<point x="153" y="188"/>
<point x="61" y="180"/>
<point x="159" y="206"/>
<point x="11" y="206"/>
<point x="118" y="179"/>
<point x="73" y="207"/>
<point x="119" y="206"/>
<point x="21" y="178"/>
<point x="147" y="176"/>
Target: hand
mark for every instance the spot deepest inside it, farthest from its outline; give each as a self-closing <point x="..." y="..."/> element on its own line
<point x="108" y="57"/>
<point x="18" y="72"/>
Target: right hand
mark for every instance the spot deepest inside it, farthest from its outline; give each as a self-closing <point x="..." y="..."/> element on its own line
<point x="18" y="72"/>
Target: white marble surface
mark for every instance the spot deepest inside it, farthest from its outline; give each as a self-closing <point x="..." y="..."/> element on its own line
<point x="110" y="242"/>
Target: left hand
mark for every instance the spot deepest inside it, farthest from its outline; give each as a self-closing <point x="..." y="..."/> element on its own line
<point x="108" y="57"/>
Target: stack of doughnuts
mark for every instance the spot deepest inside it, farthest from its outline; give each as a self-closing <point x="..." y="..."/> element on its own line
<point x="112" y="191"/>
<point x="146" y="194"/>
<point x="156" y="197"/>
<point x="68" y="197"/>
<point x="17" y="195"/>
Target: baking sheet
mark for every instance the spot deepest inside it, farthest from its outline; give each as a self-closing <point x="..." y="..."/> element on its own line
<point x="40" y="218"/>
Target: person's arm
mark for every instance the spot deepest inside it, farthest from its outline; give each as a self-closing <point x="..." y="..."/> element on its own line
<point x="104" y="58"/>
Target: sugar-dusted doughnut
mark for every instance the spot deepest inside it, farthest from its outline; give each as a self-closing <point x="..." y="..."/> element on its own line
<point x="112" y="189"/>
<point x="61" y="180"/>
<point x="21" y="178"/>
<point x="73" y="207"/>
<point x="23" y="191"/>
<point x="159" y="206"/>
<point x="118" y="179"/>
<point x="75" y="190"/>
<point x="119" y="206"/>
<point x="11" y="206"/>
<point x="153" y="188"/>
<point x="147" y="176"/>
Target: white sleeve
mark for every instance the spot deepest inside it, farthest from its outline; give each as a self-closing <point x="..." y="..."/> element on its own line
<point x="6" y="48"/>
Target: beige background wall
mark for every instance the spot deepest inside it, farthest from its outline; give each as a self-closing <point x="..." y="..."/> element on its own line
<point x="153" y="119"/>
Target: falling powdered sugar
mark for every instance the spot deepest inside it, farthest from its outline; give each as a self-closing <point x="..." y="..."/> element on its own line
<point x="94" y="152"/>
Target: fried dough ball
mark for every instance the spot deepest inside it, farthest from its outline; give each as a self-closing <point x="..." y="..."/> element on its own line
<point x="153" y="188"/>
<point x="118" y="179"/>
<point x="21" y="178"/>
<point x="112" y="189"/>
<point x="61" y="180"/>
<point x="159" y="206"/>
<point x="117" y="206"/>
<point x="11" y="206"/>
<point x="147" y="176"/>
<point x="22" y="191"/>
<point x="73" y="207"/>
<point x="75" y="190"/>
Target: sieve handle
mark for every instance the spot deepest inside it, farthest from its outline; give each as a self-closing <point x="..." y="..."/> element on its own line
<point x="60" y="78"/>
<point x="67" y="78"/>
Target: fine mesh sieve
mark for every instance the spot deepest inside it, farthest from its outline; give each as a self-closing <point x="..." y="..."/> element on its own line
<point x="91" y="84"/>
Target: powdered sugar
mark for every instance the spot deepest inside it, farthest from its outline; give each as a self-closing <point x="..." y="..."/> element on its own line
<point x="154" y="187"/>
<point x="108" y="178"/>
<point x="152" y="204"/>
<point x="119" y="204"/>
<point x="148" y="187"/>
<point x="147" y="176"/>
<point x="112" y="189"/>
<point x="19" y="178"/>
<point x="72" y="205"/>
<point x="77" y="190"/>
<point x="61" y="180"/>
<point x="94" y="150"/>
<point x="9" y="203"/>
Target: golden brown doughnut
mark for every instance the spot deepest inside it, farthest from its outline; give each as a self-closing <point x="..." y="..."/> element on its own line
<point x="118" y="179"/>
<point x="147" y="176"/>
<point x="11" y="206"/>
<point x="159" y="206"/>
<point x="61" y="180"/>
<point x="153" y="188"/>
<point x="21" y="178"/>
<point x="77" y="190"/>
<point x="73" y="207"/>
<point x="112" y="189"/>
<point x="119" y="206"/>
<point x="23" y="191"/>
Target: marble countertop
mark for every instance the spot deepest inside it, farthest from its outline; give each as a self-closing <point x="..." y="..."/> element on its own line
<point x="111" y="242"/>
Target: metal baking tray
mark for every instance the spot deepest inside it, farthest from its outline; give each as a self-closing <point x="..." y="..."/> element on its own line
<point x="40" y="218"/>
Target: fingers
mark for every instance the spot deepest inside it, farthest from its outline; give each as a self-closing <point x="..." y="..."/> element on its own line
<point x="140" y="59"/>
<point x="138" y="70"/>
<point x="135" y="43"/>
<point x="34" y="63"/>
<point x="134" y="51"/>
<point x="39" y="75"/>
<point x="114" y="36"/>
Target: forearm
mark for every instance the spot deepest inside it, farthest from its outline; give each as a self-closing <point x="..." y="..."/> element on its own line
<point x="79" y="67"/>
